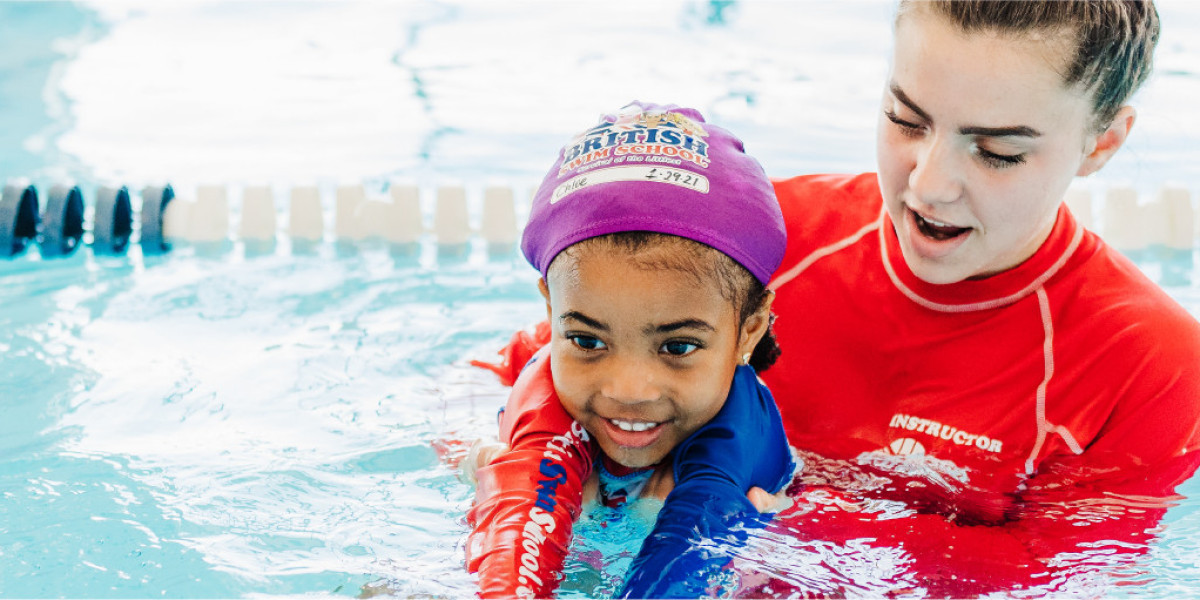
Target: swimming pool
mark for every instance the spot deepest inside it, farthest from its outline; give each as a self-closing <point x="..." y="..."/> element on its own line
<point x="218" y="424"/>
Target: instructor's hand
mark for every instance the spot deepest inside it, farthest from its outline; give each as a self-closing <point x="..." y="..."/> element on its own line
<point x="481" y="454"/>
<point x="766" y="502"/>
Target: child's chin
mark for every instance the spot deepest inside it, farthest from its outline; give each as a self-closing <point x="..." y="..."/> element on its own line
<point x="634" y="458"/>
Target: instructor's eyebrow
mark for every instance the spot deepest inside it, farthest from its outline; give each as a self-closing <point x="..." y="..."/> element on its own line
<point x="905" y="100"/>
<point x="582" y="318"/>
<point x="1018" y="130"/>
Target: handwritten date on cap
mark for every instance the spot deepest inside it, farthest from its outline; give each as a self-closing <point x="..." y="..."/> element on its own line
<point x="680" y="177"/>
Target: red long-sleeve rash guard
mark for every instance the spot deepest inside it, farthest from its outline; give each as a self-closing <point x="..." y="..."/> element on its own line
<point x="993" y="401"/>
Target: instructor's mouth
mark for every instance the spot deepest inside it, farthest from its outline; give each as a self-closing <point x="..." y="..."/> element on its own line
<point x="937" y="230"/>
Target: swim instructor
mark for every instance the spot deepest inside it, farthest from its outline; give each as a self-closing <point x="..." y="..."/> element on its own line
<point x="948" y="325"/>
<point x="978" y="387"/>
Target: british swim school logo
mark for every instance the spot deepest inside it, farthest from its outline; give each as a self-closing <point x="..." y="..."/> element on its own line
<point x="663" y="147"/>
<point x="638" y="137"/>
<point x="540" y="520"/>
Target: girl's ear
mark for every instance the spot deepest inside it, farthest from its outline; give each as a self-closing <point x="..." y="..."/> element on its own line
<point x="545" y="291"/>
<point x="1105" y="144"/>
<point x="756" y="326"/>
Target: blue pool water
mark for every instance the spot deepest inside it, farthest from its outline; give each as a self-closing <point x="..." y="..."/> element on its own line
<point x="211" y="424"/>
<point x="212" y="427"/>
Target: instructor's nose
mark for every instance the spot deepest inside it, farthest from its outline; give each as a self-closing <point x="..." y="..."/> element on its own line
<point x="934" y="178"/>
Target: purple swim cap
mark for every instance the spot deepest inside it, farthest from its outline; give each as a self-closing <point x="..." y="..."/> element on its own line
<point x="662" y="169"/>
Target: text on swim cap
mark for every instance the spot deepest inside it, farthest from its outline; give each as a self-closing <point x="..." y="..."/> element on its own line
<point x="680" y="177"/>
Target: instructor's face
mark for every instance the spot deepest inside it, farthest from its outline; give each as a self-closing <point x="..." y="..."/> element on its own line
<point x="979" y="139"/>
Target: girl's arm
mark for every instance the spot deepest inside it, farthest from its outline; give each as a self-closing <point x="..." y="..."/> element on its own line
<point x="742" y="447"/>
<point x="528" y="497"/>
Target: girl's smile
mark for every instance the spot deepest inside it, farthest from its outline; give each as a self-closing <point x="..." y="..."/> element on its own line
<point x="633" y="434"/>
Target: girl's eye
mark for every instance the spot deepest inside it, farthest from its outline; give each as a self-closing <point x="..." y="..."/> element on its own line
<point x="999" y="161"/>
<point x="679" y="348"/>
<point x="587" y="342"/>
<point x="907" y="128"/>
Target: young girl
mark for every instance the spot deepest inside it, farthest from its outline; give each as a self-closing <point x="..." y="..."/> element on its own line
<point x="655" y="235"/>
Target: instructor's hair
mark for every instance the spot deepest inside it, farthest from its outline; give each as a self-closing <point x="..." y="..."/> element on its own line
<point x="1113" y="40"/>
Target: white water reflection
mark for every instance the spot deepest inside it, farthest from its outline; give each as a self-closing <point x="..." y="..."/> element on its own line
<point x="203" y="91"/>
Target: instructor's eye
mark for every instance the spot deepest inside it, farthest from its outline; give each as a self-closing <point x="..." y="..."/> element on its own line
<point x="999" y="161"/>
<point x="907" y="128"/>
<point x="679" y="348"/>
<point x="587" y="342"/>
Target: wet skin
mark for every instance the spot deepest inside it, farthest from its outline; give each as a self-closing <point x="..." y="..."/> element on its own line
<point x="641" y="357"/>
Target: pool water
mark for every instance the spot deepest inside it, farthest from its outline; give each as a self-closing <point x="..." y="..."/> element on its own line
<point x="214" y="423"/>
<point x="216" y="426"/>
<point x="212" y="427"/>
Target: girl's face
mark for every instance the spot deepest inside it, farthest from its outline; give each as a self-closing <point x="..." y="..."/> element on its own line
<point x="641" y="357"/>
<point x="978" y="140"/>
